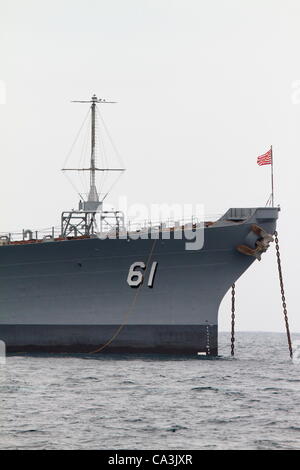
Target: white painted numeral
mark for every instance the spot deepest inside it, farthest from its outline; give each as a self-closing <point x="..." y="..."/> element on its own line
<point x="152" y="274"/>
<point x="135" y="278"/>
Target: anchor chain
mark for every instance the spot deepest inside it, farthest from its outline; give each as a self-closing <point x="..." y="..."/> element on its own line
<point x="283" y="295"/>
<point x="232" y="318"/>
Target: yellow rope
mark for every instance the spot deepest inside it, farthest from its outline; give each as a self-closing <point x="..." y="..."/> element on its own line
<point x="120" y="328"/>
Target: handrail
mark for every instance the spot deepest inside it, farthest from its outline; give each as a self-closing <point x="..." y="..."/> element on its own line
<point x="54" y="233"/>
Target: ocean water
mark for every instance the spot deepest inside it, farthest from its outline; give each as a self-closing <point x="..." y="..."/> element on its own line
<point x="148" y="402"/>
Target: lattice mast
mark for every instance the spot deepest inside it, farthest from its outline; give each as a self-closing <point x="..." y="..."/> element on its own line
<point x="83" y="221"/>
<point x="93" y="195"/>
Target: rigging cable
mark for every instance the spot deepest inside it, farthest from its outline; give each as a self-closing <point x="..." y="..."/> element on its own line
<point x="76" y="138"/>
<point x="120" y="160"/>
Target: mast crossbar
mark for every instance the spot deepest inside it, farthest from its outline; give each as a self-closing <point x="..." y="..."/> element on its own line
<point x="96" y="169"/>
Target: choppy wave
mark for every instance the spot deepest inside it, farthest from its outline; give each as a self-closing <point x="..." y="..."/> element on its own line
<point x="151" y="402"/>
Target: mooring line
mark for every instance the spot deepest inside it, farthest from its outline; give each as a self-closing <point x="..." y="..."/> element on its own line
<point x="120" y="328"/>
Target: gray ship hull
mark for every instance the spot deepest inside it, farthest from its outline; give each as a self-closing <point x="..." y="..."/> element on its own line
<point x="73" y="295"/>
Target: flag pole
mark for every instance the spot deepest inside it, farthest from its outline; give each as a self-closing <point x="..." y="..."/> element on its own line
<point x="272" y="178"/>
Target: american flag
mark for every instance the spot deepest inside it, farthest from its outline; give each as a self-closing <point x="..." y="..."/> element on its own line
<point x="265" y="159"/>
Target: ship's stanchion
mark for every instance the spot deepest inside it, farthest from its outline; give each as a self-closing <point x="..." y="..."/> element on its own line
<point x="232" y="318"/>
<point x="283" y="296"/>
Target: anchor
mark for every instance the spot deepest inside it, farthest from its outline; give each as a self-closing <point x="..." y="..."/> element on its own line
<point x="262" y="244"/>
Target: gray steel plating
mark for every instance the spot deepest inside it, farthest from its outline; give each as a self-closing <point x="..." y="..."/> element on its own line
<point x="73" y="295"/>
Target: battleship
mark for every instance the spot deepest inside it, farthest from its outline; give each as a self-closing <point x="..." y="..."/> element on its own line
<point x="126" y="289"/>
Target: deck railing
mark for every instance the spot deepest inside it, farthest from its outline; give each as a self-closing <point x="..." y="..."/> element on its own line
<point x="131" y="227"/>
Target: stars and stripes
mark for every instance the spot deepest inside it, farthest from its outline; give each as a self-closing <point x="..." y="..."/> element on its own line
<point x="265" y="159"/>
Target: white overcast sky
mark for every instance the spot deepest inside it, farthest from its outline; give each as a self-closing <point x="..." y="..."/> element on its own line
<point x="203" y="87"/>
